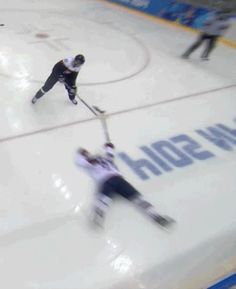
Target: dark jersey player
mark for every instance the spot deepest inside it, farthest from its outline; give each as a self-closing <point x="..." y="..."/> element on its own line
<point x="65" y="71"/>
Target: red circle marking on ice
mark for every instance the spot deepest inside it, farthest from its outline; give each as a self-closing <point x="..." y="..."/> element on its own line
<point x="42" y="35"/>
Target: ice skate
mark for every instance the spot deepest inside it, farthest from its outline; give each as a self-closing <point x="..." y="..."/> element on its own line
<point x="74" y="101"/>
<point x="164" y="221"/>
<point x="34" y="100"/>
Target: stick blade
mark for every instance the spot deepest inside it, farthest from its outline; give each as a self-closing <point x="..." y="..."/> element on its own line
<point x="99" y="110"/>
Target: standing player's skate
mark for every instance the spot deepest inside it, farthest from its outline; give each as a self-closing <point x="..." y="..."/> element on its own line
<point x="164" y="221"/>
<point x="34" y="99"/>
<point x="74" y="101"/>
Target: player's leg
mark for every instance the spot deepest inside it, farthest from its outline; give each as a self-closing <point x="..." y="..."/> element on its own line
<point x="125" y="189"/>
<point x="70" y="85"/>
<point x="148" y="209"/>
<point x="50" y="82"/>
<point x="102" y="203"/>
<point x="194" y="46"/>
<point x="210" y="46"/>
<point x="72" y="90"/>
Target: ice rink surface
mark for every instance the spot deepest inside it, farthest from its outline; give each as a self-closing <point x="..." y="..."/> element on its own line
<point x="159" y="106"/>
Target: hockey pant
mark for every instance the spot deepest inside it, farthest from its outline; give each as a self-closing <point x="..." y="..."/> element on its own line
<point x="51" y="81"/>
<point x="119" y="186"/>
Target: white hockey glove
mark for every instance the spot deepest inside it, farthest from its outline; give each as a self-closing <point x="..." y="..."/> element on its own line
<point x="109" y="147"/>
<point x="83" y="152"/>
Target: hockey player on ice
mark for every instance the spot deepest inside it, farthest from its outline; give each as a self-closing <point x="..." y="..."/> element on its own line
<point x="65" y="71"/>
<point x="110" y="183"/>
<point x="213" y="29"/>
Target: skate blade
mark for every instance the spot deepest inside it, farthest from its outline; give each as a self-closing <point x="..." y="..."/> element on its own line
<point x="169" y="225"/>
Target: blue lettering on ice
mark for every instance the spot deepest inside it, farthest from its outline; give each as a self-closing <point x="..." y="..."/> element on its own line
<point x="139" y="166"/>
<point x="158" y="160"/>
<point x="180" y="151"/>
<point x="166" y="155"/>
<point x="192" y="148"/>
<point x="172" y="154"/>
<point x="219" y="136"/>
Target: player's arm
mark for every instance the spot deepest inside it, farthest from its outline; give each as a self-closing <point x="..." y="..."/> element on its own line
<point x="110" y="151"/>
<point x="84" y="159"/>
<point x="226" y="25"/>
<point x="71" y="79"/>
<point x="209" y="21"/>
<point x="70" y="82"/>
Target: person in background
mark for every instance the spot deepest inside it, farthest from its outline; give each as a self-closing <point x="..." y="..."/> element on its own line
<point x="213" y="28"/>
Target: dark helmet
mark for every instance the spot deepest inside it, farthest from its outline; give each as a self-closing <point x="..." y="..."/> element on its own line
<point x="80" y="58"/>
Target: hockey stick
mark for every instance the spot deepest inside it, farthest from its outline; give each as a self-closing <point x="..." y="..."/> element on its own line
<point x="81" y="99"/>
<point x="87" y="105"/>
<point x="102" y="115"/>
<point x="97" y="112"/>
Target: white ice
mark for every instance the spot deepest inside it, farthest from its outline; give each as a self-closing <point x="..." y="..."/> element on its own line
<point x="134" y="72"/>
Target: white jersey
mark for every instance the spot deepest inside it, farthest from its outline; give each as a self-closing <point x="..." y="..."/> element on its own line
<point x="68" y="62"/>
<point x="101" y="168"/>
<point x="216" y="26"/>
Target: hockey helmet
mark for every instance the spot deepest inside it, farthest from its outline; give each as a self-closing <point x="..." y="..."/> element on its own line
<point x="80" y="58"/>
